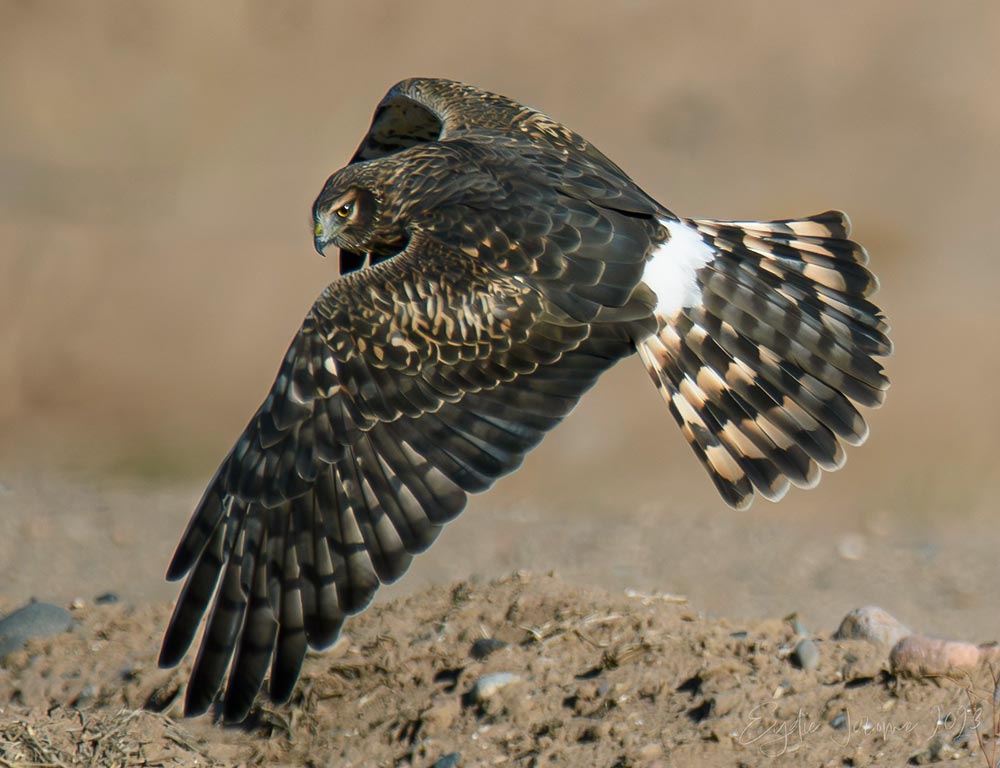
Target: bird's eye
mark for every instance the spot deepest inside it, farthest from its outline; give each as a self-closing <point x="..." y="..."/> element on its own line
<point x="345" y="210"/>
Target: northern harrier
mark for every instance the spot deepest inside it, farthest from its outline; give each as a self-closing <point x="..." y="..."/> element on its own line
<point x="494" y="264"/>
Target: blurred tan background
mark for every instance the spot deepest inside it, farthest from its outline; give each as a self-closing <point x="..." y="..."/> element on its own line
<point x="157" y="166"/>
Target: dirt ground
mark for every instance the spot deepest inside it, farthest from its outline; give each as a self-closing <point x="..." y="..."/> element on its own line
<point x="593" y="679"/>
<point x="665" y="668"/>
<point x="157" y="163"/>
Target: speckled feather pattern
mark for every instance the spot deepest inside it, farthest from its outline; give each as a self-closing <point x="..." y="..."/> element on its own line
<point x="504" y="265"/>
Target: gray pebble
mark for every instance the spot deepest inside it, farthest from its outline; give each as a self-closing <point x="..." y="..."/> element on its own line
<point x="451" y="760"/>
<point x="487" y="686"/>
<point x="106" y="599"/>
<point x="873" y="624"/>
<point x="484" y="646"/>
<point x="799" y="628"/>
<point x="806" y="654"/>
<point x="31" y="621"/>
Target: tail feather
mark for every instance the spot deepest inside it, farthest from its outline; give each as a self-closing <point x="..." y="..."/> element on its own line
<point x="785" y="420"/>
<point x="766" y="344"/>
<point x="724" y="469"/>
<point x="829" y="225"/>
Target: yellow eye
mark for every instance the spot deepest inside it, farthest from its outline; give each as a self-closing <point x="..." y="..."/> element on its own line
<point x="345" y="210"/>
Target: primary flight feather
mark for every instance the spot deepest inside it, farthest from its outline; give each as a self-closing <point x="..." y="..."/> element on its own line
<point x="493" y="265"/>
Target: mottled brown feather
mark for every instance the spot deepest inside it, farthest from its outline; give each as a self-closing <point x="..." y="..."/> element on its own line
<point x="492" y="270"/>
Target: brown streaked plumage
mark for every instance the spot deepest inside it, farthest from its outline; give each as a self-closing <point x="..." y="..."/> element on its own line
<point x="494" y="264"/>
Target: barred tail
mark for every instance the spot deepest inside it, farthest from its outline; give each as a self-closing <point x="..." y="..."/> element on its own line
<point x="766" y="346"/>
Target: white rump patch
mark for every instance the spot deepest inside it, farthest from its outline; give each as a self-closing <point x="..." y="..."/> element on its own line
<point x="672" y="270"/>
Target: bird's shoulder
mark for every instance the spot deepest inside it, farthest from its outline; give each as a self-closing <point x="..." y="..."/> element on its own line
<point x="430" y="136"/>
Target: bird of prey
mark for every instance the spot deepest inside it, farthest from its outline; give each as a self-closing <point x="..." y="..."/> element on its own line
<point x="493" y="265"/>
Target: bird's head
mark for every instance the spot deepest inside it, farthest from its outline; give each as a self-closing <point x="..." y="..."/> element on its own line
<point x="345" y="213"/>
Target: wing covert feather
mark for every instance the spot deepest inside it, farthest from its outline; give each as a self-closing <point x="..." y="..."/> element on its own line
<point x="410" y="384"/>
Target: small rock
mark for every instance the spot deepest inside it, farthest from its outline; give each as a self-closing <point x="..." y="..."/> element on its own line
<point x="806" y="654"/>
<point x="784" y="688"/>
<point x="106" y="599"/>
<point x="31" y="621"/>
<point x="487" y="686"/>
<point x="796" y="624"/>
<point x="919" y="656"/>
<point x="484" y="646"/>
<point x="451" y="760"/>
<point x="873" y="624"/>
<point x="650" y="752"/>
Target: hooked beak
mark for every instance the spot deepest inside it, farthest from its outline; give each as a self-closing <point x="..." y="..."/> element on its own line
<point x="320" y="240"/>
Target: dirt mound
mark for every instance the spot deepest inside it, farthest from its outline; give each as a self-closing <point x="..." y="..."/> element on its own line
<point x="525" y="670"/>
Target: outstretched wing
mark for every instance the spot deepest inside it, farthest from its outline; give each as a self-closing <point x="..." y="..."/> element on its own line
<point x="420" y="110"/>
<point x="425" y="110"/>
<point x="410" y="384"/>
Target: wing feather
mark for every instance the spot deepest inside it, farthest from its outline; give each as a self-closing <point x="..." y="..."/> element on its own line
<point x="424" y="111"/>
<point x="361" y="453"/>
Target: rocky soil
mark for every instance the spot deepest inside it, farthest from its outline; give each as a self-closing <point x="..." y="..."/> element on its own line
<point x="525" y="670"/>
